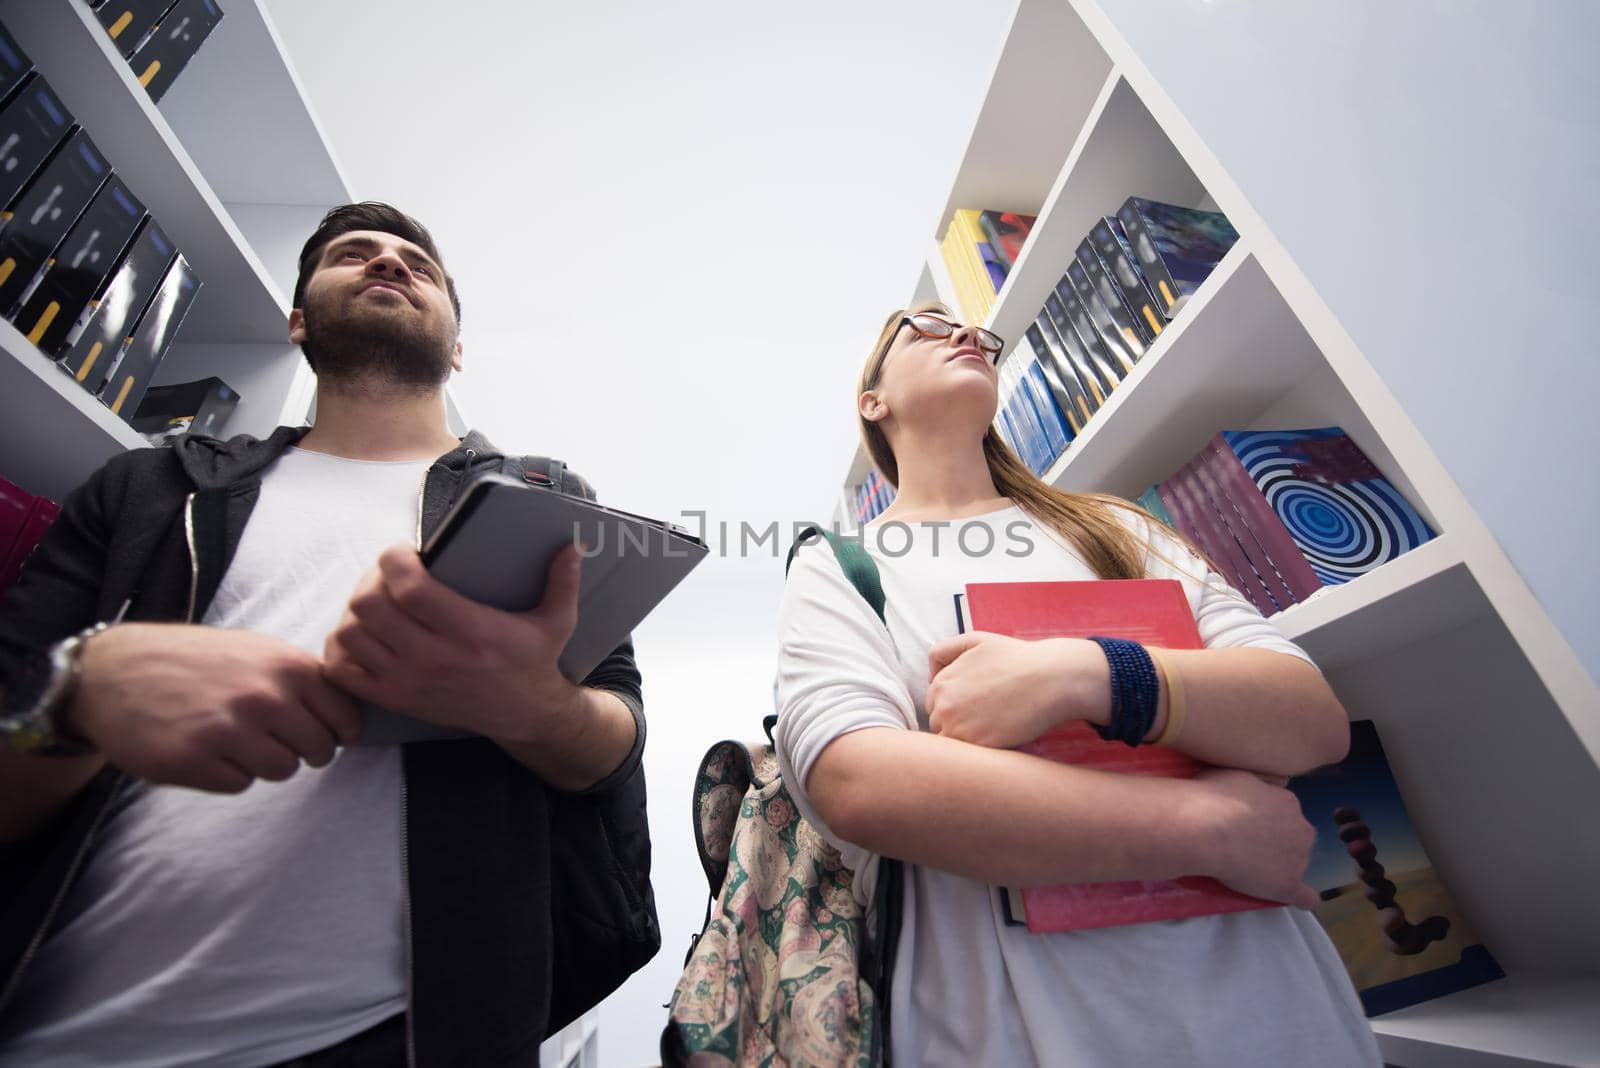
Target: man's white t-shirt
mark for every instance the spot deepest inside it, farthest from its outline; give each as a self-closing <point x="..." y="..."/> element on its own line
<point x="243" y="930"/>
<point x="1255" y="988"/>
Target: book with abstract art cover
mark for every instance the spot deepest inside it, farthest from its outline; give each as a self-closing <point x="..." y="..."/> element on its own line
<point x="1400" y="934"/>
<point x="1344" y="516"/>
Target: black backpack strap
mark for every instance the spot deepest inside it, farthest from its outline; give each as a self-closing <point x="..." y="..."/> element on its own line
<point x="853" y="560"/>
<point x="535" y="470"/>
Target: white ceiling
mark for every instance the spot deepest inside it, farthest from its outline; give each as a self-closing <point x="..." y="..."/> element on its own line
<point x="676" y="227"/>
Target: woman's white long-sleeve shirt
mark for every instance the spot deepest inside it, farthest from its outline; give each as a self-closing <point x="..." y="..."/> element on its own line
<point x="1253" y="988"/>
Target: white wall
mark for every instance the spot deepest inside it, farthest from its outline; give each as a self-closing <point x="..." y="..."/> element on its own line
<point x="1431" y="165"/>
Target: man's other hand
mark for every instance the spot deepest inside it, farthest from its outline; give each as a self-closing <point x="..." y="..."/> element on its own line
<point x="207" y="708"/>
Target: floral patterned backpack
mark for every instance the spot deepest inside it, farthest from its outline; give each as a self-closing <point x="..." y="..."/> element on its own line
<point x="785" y="971"/>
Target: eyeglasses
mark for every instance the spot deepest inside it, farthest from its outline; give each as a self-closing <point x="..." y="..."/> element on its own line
<point x="932" y="326"/>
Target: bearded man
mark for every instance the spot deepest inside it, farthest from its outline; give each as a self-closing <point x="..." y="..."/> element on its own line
<point x="199" y="865"/>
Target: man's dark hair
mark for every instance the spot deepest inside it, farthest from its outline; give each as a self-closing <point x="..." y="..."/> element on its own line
<point x="368" y="215"/>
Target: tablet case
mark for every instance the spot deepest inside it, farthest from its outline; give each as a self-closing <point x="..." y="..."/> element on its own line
<point x="495" y="546"/>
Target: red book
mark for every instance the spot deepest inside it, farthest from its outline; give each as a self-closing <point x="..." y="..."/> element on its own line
<point x="41" y="513"/>
<point x="1151" y="611"/>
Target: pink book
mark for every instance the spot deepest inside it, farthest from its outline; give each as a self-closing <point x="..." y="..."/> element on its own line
<point x="1190" y="514"/>
<point x="42" y="513"/>
<point x="1269" y="532"/>
<point x="1279" y="596"/>
<point x="1152" y="611"/>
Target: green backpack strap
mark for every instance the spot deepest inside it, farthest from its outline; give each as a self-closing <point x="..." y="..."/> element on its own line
<point x="853" y="560"/>
<point x="857" y="567"/>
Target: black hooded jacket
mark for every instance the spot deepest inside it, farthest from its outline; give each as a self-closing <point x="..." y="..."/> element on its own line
<point x="526" y="906"/>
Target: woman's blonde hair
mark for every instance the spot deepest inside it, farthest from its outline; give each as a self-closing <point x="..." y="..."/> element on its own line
<point x="1087" y="520"/>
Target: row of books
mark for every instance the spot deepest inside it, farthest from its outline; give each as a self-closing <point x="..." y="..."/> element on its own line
<point x="85" y="273"/>
<point x="1283" y="513"/>
<point x="158" y="38"/>
<point x="1128" y="278"/>
<point x="979" y="249"/>
<point x="871" y="496"/>
<point x="1397" y="929"/>
<point x="23" y="521"/>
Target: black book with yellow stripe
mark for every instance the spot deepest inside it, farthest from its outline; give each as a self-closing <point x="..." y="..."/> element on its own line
<point x="81" y="268"/>
<point x="45" y="212"/>
<point x="104" y="326"/>
<point x="169" y="49"/>
<point x="32" y="126"/>
<point x="128" y="22"/>
<point x="148" y="343"/>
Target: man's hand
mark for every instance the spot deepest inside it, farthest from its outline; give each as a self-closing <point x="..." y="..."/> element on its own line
<point x="1255" y="838"/>
<point x="411" y="644"/>
<point x="1000" y="692"/>
<point x="207" y="708"/>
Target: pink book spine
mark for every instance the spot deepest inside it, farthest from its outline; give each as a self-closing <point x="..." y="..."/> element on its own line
<point x="1178" y="496"/>
<point x="1269" y="531"/>
<point x="1252" y="585"/>
<point x="1278" y="593"/>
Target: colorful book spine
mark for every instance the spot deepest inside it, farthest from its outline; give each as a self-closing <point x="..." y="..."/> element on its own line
<point x="1199" y="524"/>
<point x="1251" y="583"/>
<point x="959" y="264"/>
<point x="1261" y="563"/>
<point x="1006" y="232"/>
<point x="970" y="233"/>
<point x="1150" y="501"/>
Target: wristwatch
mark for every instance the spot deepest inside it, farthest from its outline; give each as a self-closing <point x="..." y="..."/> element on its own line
<point x="30" y="714"/>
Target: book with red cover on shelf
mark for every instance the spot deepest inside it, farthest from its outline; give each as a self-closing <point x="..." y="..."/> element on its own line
<point x="1152" y="611"/>
<point x="1007" y="232"/>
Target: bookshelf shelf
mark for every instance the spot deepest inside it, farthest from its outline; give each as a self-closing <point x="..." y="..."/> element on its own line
<point x="1419" y="593"/>
<point x="1520" y="1021"/>
<point x="234" y="166"/>
<point x="239" y="300"/>
<point x="54" y="431"/>
<point x="1120" y="151"/>
<point x="1490" y="722"/>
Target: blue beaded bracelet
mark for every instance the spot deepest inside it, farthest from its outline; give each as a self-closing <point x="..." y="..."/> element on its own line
<point x="1135" y="691"/>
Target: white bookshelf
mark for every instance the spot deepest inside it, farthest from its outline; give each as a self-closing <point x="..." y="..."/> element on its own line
<point x="1490" y="721"/>
<point x="575" y="1046"/>
<point x="234" y="166"/>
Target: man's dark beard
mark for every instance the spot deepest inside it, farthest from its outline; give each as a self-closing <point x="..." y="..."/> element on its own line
<point x="347" y="345"/>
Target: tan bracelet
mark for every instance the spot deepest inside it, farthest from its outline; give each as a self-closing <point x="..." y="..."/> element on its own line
<point x="1177" y="710"/>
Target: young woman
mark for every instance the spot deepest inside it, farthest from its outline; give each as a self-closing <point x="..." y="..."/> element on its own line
<point x="898" y="742"/>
